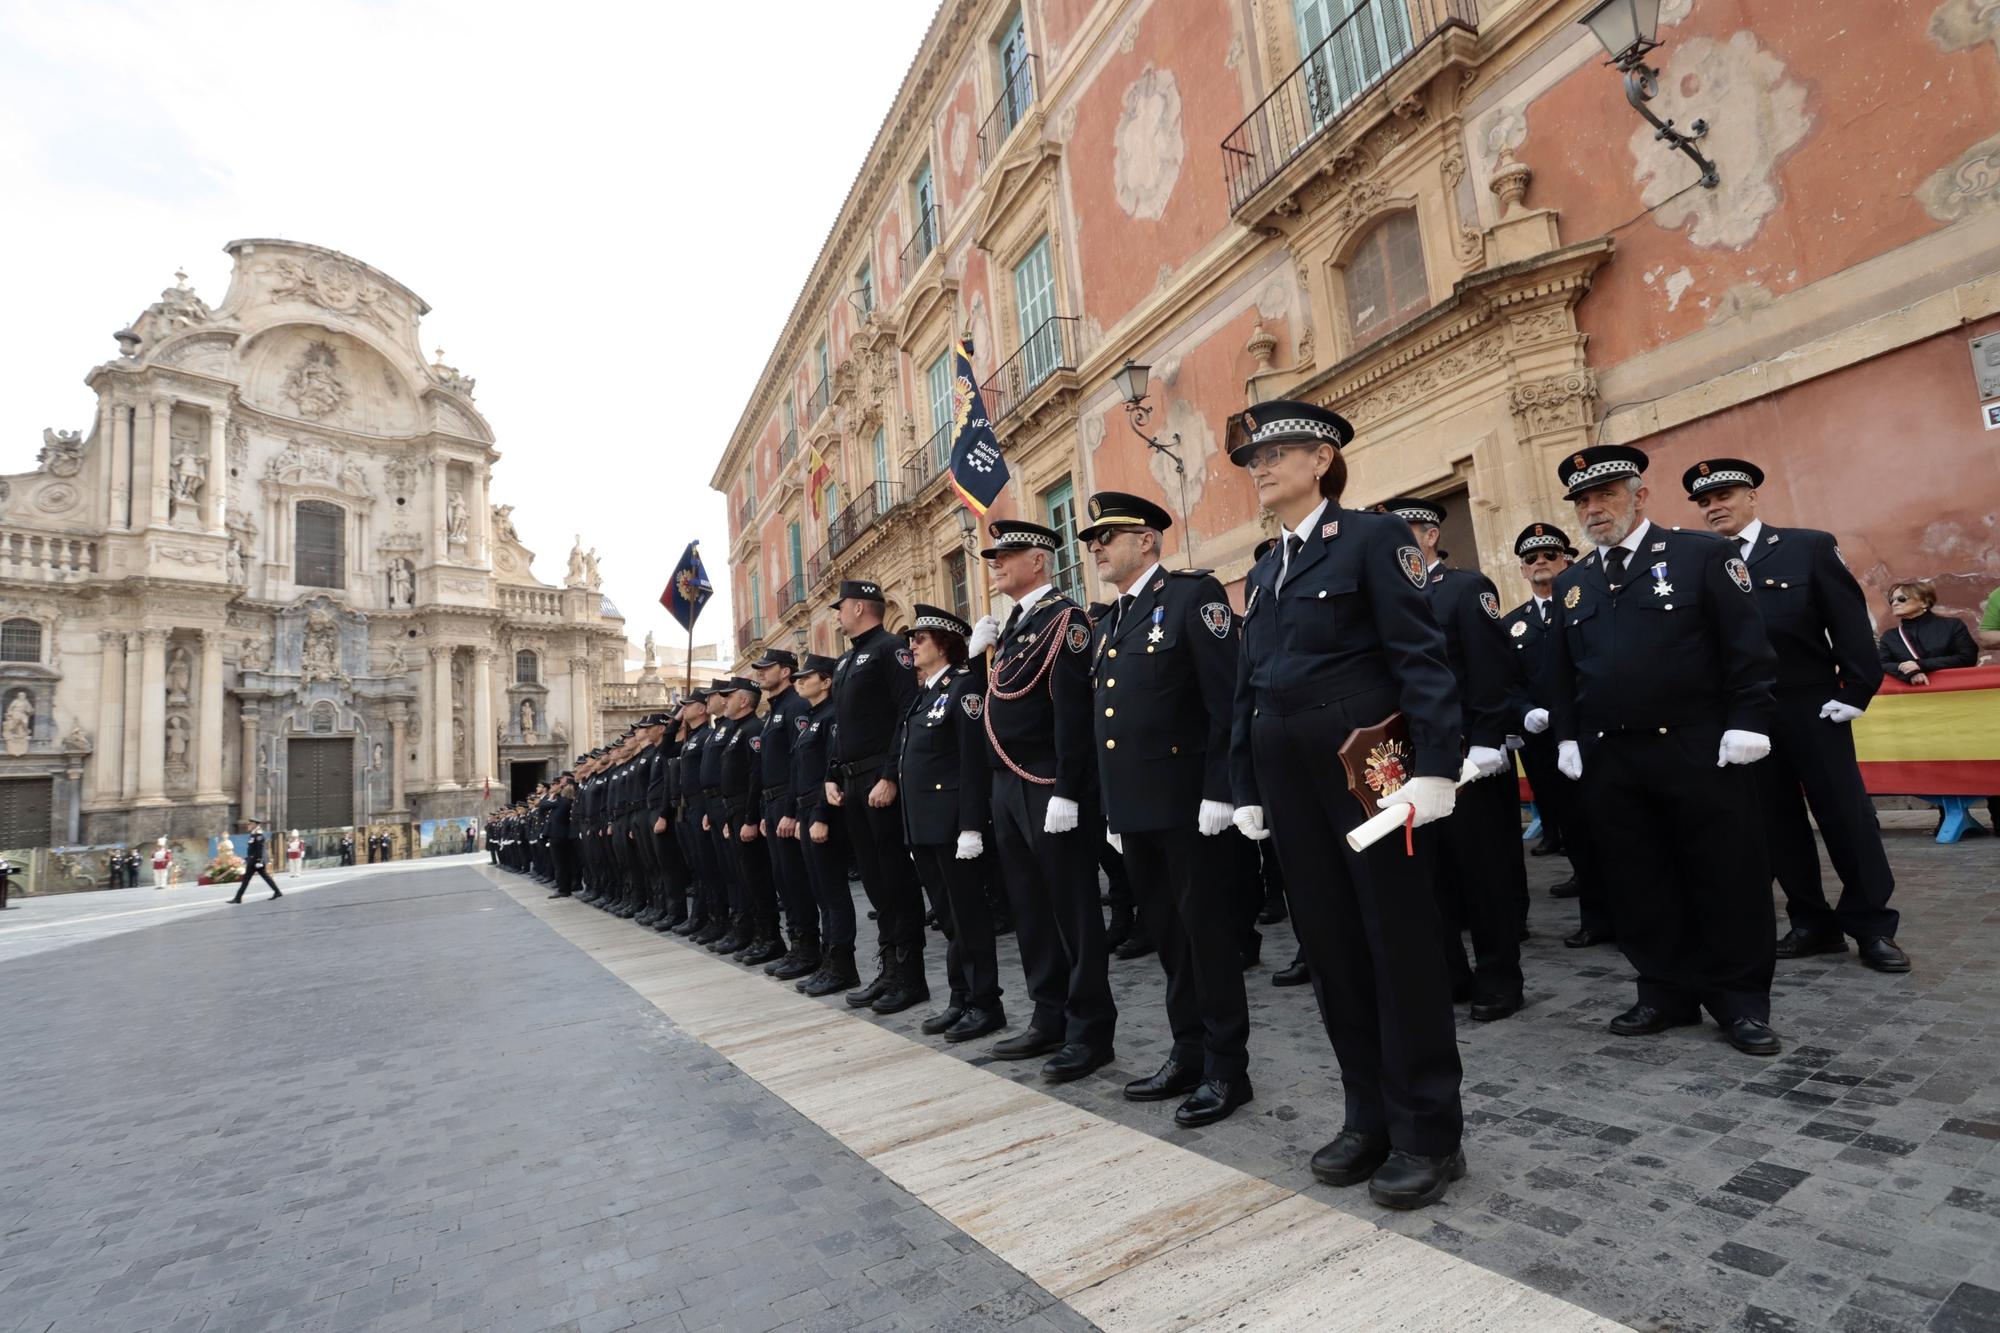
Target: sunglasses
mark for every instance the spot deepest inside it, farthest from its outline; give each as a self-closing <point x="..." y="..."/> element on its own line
<point x="1099" y="539"/>
<point x="1537" y="557"/>
<point x="1898" y="599"/>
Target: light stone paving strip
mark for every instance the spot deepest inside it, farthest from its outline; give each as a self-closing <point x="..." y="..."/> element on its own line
<point x="1131" y="1232"/>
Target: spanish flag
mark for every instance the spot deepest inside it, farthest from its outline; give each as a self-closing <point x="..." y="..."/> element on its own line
<point x="817" y="469"/>
<point x="978" y="472"/>
<point x="1940" y="739"/>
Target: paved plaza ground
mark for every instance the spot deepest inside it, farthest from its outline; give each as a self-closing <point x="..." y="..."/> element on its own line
<point x="423" y="1097"/>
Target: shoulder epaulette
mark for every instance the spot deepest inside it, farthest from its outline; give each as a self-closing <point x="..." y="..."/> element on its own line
<point x="1190" y="573"/>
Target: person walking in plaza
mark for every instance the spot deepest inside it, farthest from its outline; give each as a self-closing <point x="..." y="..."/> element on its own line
<point x="1816" y="617"/>
<point x="1338" y="636"/>
<point x="1163" y="669"/>
<point x="295" y="855"/>
<point x="163" y="861"/>
<point x="1046" y="818"/>
<point x="1663" y="676"/>
<point x="254" y="864"/>
<point x="946" y="791"/>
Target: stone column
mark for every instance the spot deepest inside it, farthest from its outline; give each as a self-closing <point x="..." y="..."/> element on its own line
<point x="483" y="756"/>
<point x="478" y="550"/>
<point x="398" y="721"/>
<point x="110" y="756"/>
<point x="247" y="798"/>
<point x="440" y="485"/>
<point x="153" y="718"/>
<point x="215" y="496"/>
<point x="441" y="717"/>
<point x="107" y="455"/>
<point x="160" y="477"/>
<point x="208" y="723"/>
<point x="580" y="731"/>
<point x="128" y="781"/>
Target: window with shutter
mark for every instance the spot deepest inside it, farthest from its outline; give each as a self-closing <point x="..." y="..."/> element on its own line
<point x="319" y="545"/>
<point x="1035" y="299"/>
<point x="1384" y="278"/>
<point x="525" y="672"/>
<point x="20" y="640"/>
<point x="1059" y="509"/>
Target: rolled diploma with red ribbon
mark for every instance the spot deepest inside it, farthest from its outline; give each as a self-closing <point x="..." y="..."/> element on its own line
<point x="1377" y="827"/>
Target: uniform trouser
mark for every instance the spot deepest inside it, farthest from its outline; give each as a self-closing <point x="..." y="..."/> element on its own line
<point x="1188" y="888"/>
<point x="1243" y="874"/>
<point x="1368" y="925"/>
<point x="1560" y="802"/>
<point x="564" y="853"/>
<point x="788" y="876"/>
<point x="640" y="825"/>
<point x="958" y="895"/>
<point x="729" y="874"/>
<point x="704" y="846"/>
<point x="1692" y="899"/>
<point x="826" y="870"/>
<point x="1052" y="884"/>
<point x="753" y="867"/>
<point x="250" y="872"/>
<point x="1481" y="879"/>
<point x="1812" y="764"/>
<point x="887" y="874"/>
<point x="1117" y="878"/>
<point x="675" y="877"/>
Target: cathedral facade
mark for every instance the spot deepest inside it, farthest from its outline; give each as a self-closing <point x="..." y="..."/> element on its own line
<point x="268" y="581"/>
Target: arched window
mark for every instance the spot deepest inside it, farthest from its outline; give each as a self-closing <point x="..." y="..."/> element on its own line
<point x="319" y="545"/>
<point x="526" y="670"/>
<point x="20" y="640"/>
<point x="1385" y="278"/>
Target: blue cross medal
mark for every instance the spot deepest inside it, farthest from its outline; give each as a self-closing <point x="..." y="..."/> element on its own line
<point x="1155" y="634"/>
<point x="1661" y="588"/>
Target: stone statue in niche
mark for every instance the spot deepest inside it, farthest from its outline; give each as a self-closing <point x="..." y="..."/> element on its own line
<point x="239" y="567"/>
<point x="457" y="521"/>
<point x="458" y="757"/>
<point x="402" y="583"/>
<point x="573" y="577"/>
<point x="180" y="676"/>
<point x="527" y="717"/>
<point x="190" y="476"/>
<point x="178" y="733"/>
<point x="559" y="733"/>
<point x="313" y="383"/>
<point x="320" y="659"/>
<point x="17" y="725"/>
<point x="375" y="758"/>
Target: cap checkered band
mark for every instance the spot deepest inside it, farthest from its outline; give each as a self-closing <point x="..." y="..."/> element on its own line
<point x="1730" y="478"/>
<point x="1319" y="430"/>
<point x="948" y="625"/>
<point x="1041" y="539"/>
<point x="1539" y="543"/>
<point x="1414" y="515"/>
<point x="1596" y="472"/>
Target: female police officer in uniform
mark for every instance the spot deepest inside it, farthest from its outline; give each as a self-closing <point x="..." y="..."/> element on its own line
<point x="1337" y="635"/>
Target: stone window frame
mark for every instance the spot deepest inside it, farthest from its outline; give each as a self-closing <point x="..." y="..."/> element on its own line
<point x="1351" y="248"/>
<point x="43" y="633"/>
<point x="341" y="555"/>
<point x="535" y="666"/>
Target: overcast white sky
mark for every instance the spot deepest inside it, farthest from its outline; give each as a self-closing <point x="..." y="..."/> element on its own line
<point x="610" y="210"/>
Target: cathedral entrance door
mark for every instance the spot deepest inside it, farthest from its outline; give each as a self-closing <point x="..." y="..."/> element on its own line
<point x="522" y="775"/>
<point x="319" y="791"/>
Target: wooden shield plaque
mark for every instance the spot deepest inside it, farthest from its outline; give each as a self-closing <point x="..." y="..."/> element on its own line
<point x="1378" y="760"/>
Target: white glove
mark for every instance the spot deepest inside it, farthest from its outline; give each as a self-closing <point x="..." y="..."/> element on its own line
<point x="1249" y="821"/>
<point x="1117" y="841"/>
<point x="1516" y="743"/>
<point x="971" y="845"/>
<point x="1061" y="817"/>
<point x="1742" y="747"/>
<point x="1486" y="759"/>
<point x="1431" y="798"/>
<point x="1536" y="720"/>
<point x="984" y="635"/>
<point x="1569" y="760"/>
<point x="1833" y="710"/>
<point x="1215" y="816"/>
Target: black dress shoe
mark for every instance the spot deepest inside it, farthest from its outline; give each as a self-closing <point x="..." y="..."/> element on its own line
<point x="1026" y="1045"/>
<point x="1798" y="942"/>
<point x="976" y="1022"/>
<point x="1752" y="1037"/>
<point x="1566" y="889"/>
<point x="1546" y="847"/>
<point x="1585" y="937"/>
<point x="1295" y="975"/>
<point x="1138" y="946"/>
<point x="1351" y="1158"/>
<point x="942" y="1021"/>
<point x="1213" y="1101"/>
<point x="1075" y="1060"/>
<point x="1172" y="1079"/>
<point x="1643" y="1020"/>
<point x="1407" y="1181"/>
<point x="1486" y="1011"/>
<point x="1881" y="953"/>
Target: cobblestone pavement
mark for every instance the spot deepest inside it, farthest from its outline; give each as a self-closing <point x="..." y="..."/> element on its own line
<point x="1669" y="1182"/>
<point x="399" y="1102"/>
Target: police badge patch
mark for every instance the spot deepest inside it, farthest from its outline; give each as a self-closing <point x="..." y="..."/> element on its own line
<point x="973" y="704"/>
<point x="1412" y="561"/>
<point x="1520" y="629"/>
<point x="756" y="743"/>
<point x="1215" y="615"/>
<point x="904" y="660"/>
<point x="1738" y="572"/>
<point x="1489" y="604"/>
<point x="803" y="719"/>
<point x="1573" y="596"/>
<point x="1077" y="637"/>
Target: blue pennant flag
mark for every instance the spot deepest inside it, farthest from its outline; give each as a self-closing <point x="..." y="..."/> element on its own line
<point x="689" y="589"/>
<point x="978" y="472"/>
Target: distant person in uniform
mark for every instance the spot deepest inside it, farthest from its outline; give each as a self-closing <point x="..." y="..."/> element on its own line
<point x="163" y="861"/>
<point x="254" y="864"/>
<point x="347" y="849"/>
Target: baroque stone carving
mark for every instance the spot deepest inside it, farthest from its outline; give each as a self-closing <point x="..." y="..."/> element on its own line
<point x="1968" y="185"/>
<point x="1148" y="146"/>
<point x="178" y="308"/>
<point x="402" y="583"/>
<point x="180" y="676"/>
<point x="62" y="453"/>
<point x="320" y="658"/>
<point x="457" y="519"/>
<point x="449" y="378"/>
<point x="1422" y="382"/>
<point x="1560" y="402"/>
<point x="333" y="284"/>
<point x="178" y="734"/>
<point x="503" y="523"/>
<point x="190" y="477"/>
<point x="17" y="724"/>
<point x="57" y="497"/>
<point x="402" y="475"/>
<point x="313" y="383"/>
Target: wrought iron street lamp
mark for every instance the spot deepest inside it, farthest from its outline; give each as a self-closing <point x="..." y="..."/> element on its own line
<point x="1133" y="381"/>
<point x="1627" y="29"/>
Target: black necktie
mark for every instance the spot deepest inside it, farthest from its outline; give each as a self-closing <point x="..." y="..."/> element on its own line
<point x="1118" y="613"/>
<point x="1013" y="619"/>
<point x="1614" y="564"/>
<point x="1543" y="607"/>
<point x="1746" y="548"/>
<point x="1293" y="545"/>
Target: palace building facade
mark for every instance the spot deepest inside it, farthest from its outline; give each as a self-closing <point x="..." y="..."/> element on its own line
<point x="269" y="580"/>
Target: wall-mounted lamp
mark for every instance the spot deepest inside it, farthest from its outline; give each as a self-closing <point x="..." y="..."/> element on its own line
<point x="1133" y="380"/>
<point x="1627" y="30"/>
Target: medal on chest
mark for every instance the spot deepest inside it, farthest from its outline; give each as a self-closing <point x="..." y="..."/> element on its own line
<point x="1661" y="588"/>
<point x="1155" y="634"/>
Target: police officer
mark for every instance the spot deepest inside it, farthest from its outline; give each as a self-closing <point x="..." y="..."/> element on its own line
<point x="1828" y="670"/>
<point x="741" y="776"/>
<point x="732" y="931"/>
<point x="1337" y="636"/>
<point x="561" y="847"/>
<point x="1544" y="551"/>
<point x="821" y="833"/>
<point x="1046" y="817"/>
<point x="347" y="849"/>
<point x="255" y="863"/>
<point x="1664" y="679"/>
<point x="662" y="810"/>
<point x="1480" y="876"/>
<point x="1163" y="667"/>
<point x="873" y="683"/>
<point x="710" y="906"/>
<point x="777" y="813"/>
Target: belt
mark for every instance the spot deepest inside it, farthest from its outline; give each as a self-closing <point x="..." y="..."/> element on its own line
<point x="861" y="765"/>
<point x="773" y="793"/>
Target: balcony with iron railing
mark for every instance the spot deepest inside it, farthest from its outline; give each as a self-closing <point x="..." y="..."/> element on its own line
<point x="822" y="398"/>
<point x="818" y="565"/>
<point x="924" y="238"/>
<point x="1362" y="50"/>
<point x="791" y="592"/>
<point x="788" y="447"/>
<point x="746" y="513"/>
<point x="876" y="499"/>
<point x="928" y="463"/>
<point x="749" y="634"/>
<point x="1046" y="350"/>
<point x="1009" y="109"/>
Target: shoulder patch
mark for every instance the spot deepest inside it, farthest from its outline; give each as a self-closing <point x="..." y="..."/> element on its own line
<point x="1077" y="637"/>
<point x="904" y="660"/>
<point x="803" y="720"/>
<point x="1739" y="572"/>
<point x="1412" y="562"/>
<point x="1489" y="604"/>
<point x="973" y="704"/>
<point x="1215" y="615"/>
<point x="757" y="741"/>
<point x="1191" y="573"/>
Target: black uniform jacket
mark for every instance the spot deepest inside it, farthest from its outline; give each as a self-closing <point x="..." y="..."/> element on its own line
<point x="1467" y="607"/>
<point x="947" y="785"/>
<point x="1942" y="642"/>
<point x="1162" y="679"/>
<point x="1350" y="630"/>
<point x="1038" y="698"/>
<point x="1530" y="643"/>
<point x="253" y="853"/>
<point x="716" y="738"/>
<point x="813" y="736"/>
<point x="775" y="798"/>
<point x="1679" y="643"/>
<point x="873" y="683"/>
<point x="559" y="812"/>
<point x="739" y="768"/>
<point x="1816" y="615"/>
<point x="692" y="746"/>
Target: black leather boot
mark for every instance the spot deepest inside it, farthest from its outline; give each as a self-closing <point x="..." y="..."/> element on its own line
<point x="906" y="986"/>
<point x="836" y="973"/>
<point x="802" y="961"/>
<point x="867" y="995"/>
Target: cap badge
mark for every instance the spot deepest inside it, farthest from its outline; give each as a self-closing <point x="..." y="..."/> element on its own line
<point x="1573" y="596"/>
<point x="1249" y="421"/>
<point x="1538" y="529"/>
<point x="1578" y="462"/>
<point x="1702" y="468"/>
<point x="1096" y="507"/>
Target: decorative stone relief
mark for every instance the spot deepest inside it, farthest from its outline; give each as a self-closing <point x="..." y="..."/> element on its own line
<point x="180" y="676"/>
<point x="1560" y="402"/>
<point x="178" y="735"/>
<point x="178" y="308"/>
<point x="62" y="453"/>
<point x="401" y="475"/>
<point x="17" y="722"/>
<point x="402" y="583"/>
<point x="1148" y="146"/>
<point x="503" y="523"/>
<point x="448" y="377"/>
<point x="320" y="658"/>
<point x="960" y="142"/>
<point x="1958" y="24"/>
<point x="457" y="519"/>
<point x="1969" y="185"/>
<point x="1423" y="382"/>
<point x="57" y="497"/>
<point x="332" y="284"/>
<point x="313" y="383"/>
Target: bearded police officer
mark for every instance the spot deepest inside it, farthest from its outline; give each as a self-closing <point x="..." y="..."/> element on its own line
<point x="1663" y="681"/>
<point x="1045" y="812"/>
<point x="1828" y="670"/>
<point x="1163" y="668"/>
